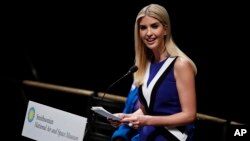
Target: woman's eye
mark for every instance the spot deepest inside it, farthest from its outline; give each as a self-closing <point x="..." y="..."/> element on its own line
<point x="143" y="27"/>
<point x="155" y="26"/>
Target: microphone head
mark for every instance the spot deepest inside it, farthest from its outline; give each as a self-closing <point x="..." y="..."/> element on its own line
<point x="133" y="69"/>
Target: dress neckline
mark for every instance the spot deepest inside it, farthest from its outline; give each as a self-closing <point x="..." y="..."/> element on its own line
<point x="160" y="62"/>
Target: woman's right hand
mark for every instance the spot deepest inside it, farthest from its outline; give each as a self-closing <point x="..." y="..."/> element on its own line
<point x="116" y="123"/>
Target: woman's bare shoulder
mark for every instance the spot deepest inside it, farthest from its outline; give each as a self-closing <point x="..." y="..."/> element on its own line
<point x="182" y="63"/>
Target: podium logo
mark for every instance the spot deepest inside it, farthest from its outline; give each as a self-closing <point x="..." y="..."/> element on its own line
<point x="31" y="114"/>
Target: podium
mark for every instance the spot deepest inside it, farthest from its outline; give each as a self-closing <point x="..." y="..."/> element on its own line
<point x="99" y="128"/>
<point x="45" y="123"/>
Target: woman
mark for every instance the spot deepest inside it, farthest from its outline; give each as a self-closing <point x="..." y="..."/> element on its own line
<point x="166" y="81"/>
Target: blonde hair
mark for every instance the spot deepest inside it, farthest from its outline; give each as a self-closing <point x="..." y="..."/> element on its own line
<point x="142" y="54"/>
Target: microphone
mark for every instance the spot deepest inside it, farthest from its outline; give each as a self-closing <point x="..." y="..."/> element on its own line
<point x="130" y="71"/>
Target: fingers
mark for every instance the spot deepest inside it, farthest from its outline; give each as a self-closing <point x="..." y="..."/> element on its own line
<point x="132" y="125"/>
<point x="125" y="119"/>
<point x="121" y="115"/>
<point x="129" y="119"/>
<point x="114" y="123"/>
<point x="132" y="122"/>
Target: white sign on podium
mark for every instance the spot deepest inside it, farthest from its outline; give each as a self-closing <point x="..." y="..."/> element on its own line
<point x="45" y="123"/>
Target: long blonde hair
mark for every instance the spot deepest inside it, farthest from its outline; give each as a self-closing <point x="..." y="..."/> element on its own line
<point x="142" y="54"/>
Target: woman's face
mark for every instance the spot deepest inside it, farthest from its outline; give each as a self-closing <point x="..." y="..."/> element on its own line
<point x="152" y="32"/>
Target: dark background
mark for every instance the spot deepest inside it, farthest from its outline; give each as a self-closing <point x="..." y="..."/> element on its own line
<point x="90" y="45"/>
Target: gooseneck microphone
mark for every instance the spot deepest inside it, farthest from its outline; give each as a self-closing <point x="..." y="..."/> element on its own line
<point x="130" y="71"/>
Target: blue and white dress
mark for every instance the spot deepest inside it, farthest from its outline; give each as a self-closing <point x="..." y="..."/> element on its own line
<point x="159" y="96"/>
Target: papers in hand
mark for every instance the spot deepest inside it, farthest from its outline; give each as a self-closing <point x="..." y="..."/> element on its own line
<point x="105" y="113"/>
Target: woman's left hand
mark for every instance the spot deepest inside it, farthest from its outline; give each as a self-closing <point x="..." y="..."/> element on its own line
<point x="133" y="121"/>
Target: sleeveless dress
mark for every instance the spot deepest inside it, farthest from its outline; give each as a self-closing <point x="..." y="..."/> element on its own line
<point x="164" y="100"/>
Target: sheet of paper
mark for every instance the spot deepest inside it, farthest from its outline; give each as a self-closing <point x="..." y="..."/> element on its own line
<point x="105" y="113"/>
